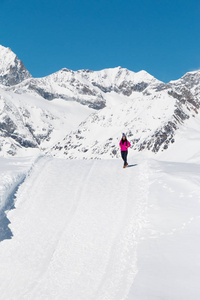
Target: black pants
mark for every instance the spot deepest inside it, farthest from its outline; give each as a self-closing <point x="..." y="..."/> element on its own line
<point x="124" y="156"/>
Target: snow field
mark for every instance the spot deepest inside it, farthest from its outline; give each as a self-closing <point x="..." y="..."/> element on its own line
<point x="168" y="255"/>
<point x="73" y="232"/>
<point x="89" y="229"/>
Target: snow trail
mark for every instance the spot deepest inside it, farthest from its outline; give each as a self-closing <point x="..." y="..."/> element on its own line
<point x="122" y="267"/>
<point x="89" y="229"/>
<point x="76" y="227"/>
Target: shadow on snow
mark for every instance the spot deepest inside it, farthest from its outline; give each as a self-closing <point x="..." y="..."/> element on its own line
<point x="129" y="166"/>
<point x="5" y="232"/>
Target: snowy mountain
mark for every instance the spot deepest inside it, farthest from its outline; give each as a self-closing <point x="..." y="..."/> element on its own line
<point x="190" y="81"/>
<point x="104" y="104"/>
<point x="87" y="87"/>
<point x="12" y="70"/>
<point x="31" y="124"/>
<point x="152" y="119"/>
<point x="87" y="229"/>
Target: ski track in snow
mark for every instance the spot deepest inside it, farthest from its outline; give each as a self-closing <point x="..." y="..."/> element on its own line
<point x="122" y="267"/>
<point x="88" y="229"/>
<point x="73" y="230"/>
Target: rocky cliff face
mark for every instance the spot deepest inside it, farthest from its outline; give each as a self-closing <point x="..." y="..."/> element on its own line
<point x="14" y="134"/>
<point x="12" y="70"/>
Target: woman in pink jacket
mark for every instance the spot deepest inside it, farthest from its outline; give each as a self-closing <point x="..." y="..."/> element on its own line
<point x="124" y="145"/>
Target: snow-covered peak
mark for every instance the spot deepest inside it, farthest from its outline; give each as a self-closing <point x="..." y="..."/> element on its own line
<point x="106" y="77"/>
<point x="88" y="87"/>
<point x="12" y="70"/>
<point x="192" y="77"/>
<point x="145" y="76"/>
<point x="7" y="60"/>
<point x="118" y="75"/>
<point x="188" y="84"/>
<point x="194" y="72"/>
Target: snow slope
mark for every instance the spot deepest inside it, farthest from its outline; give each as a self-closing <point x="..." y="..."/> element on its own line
<point x="187" y="143"/>
<point x="151" y="122"/>
<point x="88" y="229"/>
<point x="30" y="124"/>
<point x="168" y="255"/>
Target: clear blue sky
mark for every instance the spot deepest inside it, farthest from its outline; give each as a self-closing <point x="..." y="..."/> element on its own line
<point x="159" y="36"/>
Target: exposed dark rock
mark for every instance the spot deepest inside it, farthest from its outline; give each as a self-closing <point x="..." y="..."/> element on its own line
<point x="161" y="137"/>
<point x="8" y="126"/>
<point x="17" y="73"/>
<point x="162" y="87"/>
<point x="180" y="115"/>
<point x="43" y="93"/>
<point x="102" y="88"/>
<point x="114" y="151"/>
<point x="126" y="87"/>
<point x="185" y="97"/>
<point x="140" y="87"/>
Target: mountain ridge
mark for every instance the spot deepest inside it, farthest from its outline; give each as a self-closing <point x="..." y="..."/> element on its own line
<point x="151" y="112"/>
<point x="85" y="86"/>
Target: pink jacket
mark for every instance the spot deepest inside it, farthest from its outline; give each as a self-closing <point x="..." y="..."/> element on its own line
<point x="123" y="146"/>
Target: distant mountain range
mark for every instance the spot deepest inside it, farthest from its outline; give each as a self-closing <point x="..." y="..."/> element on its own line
<point x="81" y="114"/>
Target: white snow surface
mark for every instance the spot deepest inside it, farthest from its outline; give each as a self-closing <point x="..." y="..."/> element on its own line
<point x="89" y="229"/>
<point x="37" y="119"/>
<point x="12" y="173"/>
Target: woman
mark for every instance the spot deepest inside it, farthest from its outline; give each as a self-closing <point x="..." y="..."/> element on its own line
<point x="124" y="145"/>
